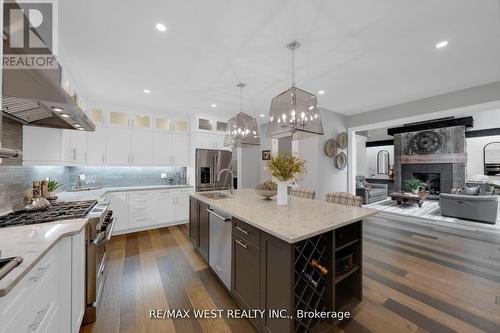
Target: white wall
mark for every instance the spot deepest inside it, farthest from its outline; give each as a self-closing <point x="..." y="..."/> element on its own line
<point x="361" y="154"/>
<point x="371" y="159"/>
<point x="322" y="175"/>
<point x="249" y="159"/>
<point x="475" y="157"/>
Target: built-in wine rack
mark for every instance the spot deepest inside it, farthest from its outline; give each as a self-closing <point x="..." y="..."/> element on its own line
<point x="327" y="274"/>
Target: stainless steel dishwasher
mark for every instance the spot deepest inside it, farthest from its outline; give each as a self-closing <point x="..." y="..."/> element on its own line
<point x="220" y="245"/>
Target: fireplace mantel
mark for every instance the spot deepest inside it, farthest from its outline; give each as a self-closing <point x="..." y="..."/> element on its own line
<point x="434" y="158"/>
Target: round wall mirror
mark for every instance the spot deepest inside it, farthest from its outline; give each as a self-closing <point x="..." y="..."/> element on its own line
<point x="383" y="162"/>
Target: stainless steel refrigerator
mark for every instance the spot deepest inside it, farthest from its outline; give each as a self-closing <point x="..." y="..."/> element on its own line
<point x="208" y="164"/>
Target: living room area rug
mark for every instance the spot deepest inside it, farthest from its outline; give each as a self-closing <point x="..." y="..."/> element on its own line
<point x="430" y="211"/>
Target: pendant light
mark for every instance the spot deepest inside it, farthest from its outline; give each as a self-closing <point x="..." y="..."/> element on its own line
<point x="242" y="128"/>
<point x="294" y="112"/>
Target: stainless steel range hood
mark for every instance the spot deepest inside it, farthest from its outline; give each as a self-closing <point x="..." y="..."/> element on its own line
<point x="35" y="97"/>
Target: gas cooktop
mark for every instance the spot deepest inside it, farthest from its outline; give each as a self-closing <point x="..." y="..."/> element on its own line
<point x="55" y="212"/>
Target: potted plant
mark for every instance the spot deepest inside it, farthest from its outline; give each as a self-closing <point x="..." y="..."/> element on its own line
<point x="53" y="185"/>
<point x="414" y="185"/>
<point x="285" y="167"/>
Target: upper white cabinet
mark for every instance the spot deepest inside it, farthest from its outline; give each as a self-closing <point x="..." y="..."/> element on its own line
<point x="209" y="141"/>
<point x="170" y="149"/>
<point x="73" y="146"/>
<point x="141" y="152"/>
<point x="116" y="118"/>
<point x="118" y="146"/>
<point x="119" y="139"/>
<point x="96" y="146"/>
<point x="205" y="125"/>
<point x="141" y="122"/>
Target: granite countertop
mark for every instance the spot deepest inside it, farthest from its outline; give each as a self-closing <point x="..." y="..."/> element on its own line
<point x="32" y="242"/>
<point x="300" y="219"/>
<point x="98" y="193"/>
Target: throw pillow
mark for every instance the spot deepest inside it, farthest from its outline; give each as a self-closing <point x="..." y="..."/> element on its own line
<point x="367" y="186"/>
<point x="471" y="190"/>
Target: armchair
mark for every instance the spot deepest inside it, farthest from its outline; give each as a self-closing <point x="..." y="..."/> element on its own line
<point x="378" y="192"/>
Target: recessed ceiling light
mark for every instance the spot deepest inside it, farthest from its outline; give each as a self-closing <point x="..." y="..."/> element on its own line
<point x="147" y="91"/>
<point x="214" y="105"/>
<point x="57" y="109"/>
<point x="65" y="115"/>
<point x="262" y="115"/>
<point x="441" y="44"/>
<point x="321" y="92"/>
<point x="161" y="27"/>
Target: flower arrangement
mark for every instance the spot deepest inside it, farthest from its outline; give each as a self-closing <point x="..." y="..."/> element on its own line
<point x="286" y="167"/>
<point x="53" y="185"/>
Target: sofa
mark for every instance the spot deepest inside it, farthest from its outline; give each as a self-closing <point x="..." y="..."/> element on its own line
<point x="482" y="208"/>
<point x="370" y="193"/>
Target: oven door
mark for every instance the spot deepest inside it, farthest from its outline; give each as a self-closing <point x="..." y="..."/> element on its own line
<point x="102" y="253"/>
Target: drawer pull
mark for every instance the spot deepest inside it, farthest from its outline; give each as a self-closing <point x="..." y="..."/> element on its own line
<point x="242" y="230"/>
<point x="39" y="317"/>
<point x="41" y="271"/>
<point x="241" y="244"/>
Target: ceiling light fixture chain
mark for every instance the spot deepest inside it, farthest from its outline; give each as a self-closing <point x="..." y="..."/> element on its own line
<point x="241" y="86"/>
<point x="292" y="46"/>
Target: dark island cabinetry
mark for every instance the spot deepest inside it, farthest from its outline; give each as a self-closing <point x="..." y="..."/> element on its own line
<point x="199" y="226"/>
<point x="322" y="273"/>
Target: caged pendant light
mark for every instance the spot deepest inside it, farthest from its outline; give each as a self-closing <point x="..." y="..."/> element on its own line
<point x="294" y="112"/>
<point x="242" y="129"/>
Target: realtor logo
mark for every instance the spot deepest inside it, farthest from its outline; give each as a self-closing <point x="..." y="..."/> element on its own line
<point x="30" y="34"/>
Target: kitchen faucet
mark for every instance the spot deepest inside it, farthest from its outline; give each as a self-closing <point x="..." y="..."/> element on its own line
<point x="231" y="181"/>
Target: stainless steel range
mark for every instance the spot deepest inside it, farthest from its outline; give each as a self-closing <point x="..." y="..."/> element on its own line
<point x="97" y="235"/>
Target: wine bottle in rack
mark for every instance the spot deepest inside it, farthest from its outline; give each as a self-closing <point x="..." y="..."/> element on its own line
<point x="314" y="263"/>
<point x="309" y="278"/>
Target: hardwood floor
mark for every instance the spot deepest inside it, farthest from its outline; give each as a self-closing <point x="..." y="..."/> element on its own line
<point x="418" y="277"/>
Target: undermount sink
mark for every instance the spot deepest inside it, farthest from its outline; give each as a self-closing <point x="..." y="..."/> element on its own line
<point x="8" y="264"/>
<point x="216" y="195"/>
<point x="81" y="189"/>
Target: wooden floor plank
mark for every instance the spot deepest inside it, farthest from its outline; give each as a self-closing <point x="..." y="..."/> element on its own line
<point x="418" y="278"/>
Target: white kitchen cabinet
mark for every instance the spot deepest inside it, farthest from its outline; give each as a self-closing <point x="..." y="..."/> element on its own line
<point x="118" y="146"/>
<point x="96" y="146"/>
<point x="73" y="146"/>
<point x="41" y="301"/>
<point x="148" y="209"/>
<point x="162" y="148"/>
<point x="182" y="207"/>
<point x="119" y="204"/>
<point x="209" y="141"/>
<point x="170" y="149"/>
<point x="77" y="280"/>
<point x="141" y="149"/>
<point x="41" y="145"/>
<point x="180" y="150"/>
<point x="165" y="207"/>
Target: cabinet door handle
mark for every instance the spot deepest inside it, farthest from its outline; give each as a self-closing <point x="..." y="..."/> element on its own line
<point x="85" y="155"/>
<point x="38" y="319"/>
<point x="241" y="244"/>
<point x="242" y="230"/>
<point x="41" y="271"/>
<point x="74" y="154"/>
<point x="102" y="158"/>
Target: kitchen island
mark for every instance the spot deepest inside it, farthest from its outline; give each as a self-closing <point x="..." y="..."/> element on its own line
<point x="286" y="260"/>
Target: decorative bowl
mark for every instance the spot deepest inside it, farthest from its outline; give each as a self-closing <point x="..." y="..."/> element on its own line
<point x="267" y="194"/>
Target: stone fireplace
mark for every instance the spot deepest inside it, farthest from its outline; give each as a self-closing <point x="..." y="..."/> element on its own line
<point x="436" y="156"/>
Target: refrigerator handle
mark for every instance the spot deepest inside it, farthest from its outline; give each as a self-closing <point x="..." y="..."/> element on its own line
<point x="214" y="177"/>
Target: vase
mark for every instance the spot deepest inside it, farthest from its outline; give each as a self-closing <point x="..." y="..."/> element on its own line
<point x="414" y="190"/>
<point x="282" y="193"/>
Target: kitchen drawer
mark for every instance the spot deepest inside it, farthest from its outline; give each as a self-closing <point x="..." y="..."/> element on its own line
<point x="247" y="232"/>
<point x="140" y="221"/>
<point x="141" y="204"/>
<point x="140" y="195"/>
<point x="30" y="313"/>
<point x="19" y="296"/>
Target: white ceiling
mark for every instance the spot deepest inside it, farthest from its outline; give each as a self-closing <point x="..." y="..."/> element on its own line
<point x="365" y="54"/>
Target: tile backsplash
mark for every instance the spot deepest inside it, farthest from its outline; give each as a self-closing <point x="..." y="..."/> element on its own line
<point x="14" y="180"/>
<point x="127" y="176"/>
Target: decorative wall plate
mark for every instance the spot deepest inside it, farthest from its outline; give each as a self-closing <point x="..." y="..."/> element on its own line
<point x="330" y="148"/>
<point x="341" y="161"/>
<point x="342" y="140"/>
<point x="426" y="142"/>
